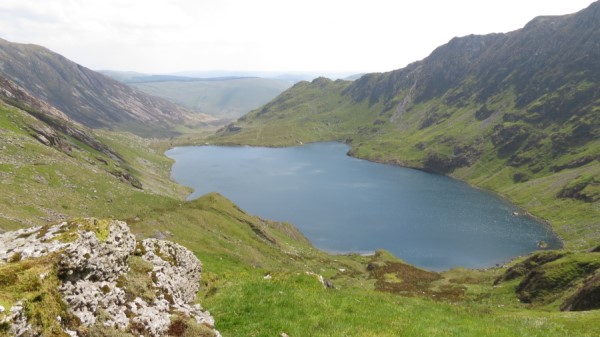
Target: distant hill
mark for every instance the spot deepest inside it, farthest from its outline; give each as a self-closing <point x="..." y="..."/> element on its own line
<point x="226" y="97"/>
<point x="290" y="76"/>
<point x="129" y="77"/>
<point x="518" y="113"/>
<point x="88" y="97"/>
<point x="121" y="76"/>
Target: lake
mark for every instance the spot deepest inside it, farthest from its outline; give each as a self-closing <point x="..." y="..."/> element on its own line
<point x="343" y="204"/>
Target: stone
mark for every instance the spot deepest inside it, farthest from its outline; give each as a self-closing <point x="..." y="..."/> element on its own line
<point x="91" y="266"/>
<point x="88" y="258"/>
<point x="86" y="297"/>
<point x="176" y="269"/>
<point x="29" y="243"/>
<point x="19" y="326"/>
<point x="43" y="139"/>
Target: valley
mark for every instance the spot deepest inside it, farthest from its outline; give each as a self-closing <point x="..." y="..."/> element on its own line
<point x="517" y="114"/>
<point x="225" y="98"/>
<point x="456" y="113"/>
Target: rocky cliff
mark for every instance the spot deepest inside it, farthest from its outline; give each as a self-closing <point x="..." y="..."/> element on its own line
<point x="90" y="277"/>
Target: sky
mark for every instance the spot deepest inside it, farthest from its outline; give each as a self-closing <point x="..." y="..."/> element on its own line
<point x="167" y="36"/>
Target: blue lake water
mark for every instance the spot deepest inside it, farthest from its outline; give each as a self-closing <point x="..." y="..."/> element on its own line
<point x="344" y="204"/>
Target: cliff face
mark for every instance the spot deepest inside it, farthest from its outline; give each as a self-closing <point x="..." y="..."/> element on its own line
<point x="87" y="277"/>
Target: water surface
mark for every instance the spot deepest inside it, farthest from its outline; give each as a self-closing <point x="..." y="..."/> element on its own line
<point x="344" y="204"/>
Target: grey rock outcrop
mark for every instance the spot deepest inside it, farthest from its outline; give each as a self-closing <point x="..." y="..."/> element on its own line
<point x="30" y="243"/>
<point x="89" y="258"/>
<point x="176" y="270"/>
<point x="99" y="285"/>
<point x="19" y="325"/>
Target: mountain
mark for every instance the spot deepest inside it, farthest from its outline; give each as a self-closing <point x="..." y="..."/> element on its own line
<point x="88" y="97"/>
<point x="517" y="113"/>
<point x="52" y="167"/>
<point x="290" y="77"/>
<point x="220" y="97"/>
<point x="121" y="76"/>
<point x="133" y="77"/>
<point x="224" y="98"/>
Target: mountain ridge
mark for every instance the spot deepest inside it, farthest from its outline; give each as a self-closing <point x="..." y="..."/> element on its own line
<point x="508" y="112"/>
<point x="88" y="97"/>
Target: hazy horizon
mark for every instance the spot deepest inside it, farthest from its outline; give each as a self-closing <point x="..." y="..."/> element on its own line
<point x="169" y="37"/>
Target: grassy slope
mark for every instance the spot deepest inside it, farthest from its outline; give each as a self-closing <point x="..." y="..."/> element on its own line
<point x="42" y="185"/>
<point x="244" y="303"/>
<point x="238" y="250"/>
<point x="319" y="111"/>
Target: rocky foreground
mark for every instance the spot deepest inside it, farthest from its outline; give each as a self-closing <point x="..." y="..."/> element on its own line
<point x="106" y="283"/>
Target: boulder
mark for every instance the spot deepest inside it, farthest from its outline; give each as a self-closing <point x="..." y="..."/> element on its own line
<point x="99" y="284"/>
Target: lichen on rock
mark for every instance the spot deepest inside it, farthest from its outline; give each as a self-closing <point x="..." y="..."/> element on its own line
<point x="176" y="270"/>
<point x="98" y="284"/>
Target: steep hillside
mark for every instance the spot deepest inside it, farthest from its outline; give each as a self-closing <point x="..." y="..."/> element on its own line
<point x="518" y="113"/>
<point x="52" y="168"/>
<point x="86" y="96"/>
<point x="53" y="125"/>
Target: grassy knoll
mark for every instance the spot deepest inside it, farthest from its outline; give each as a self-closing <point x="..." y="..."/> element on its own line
<point x="298" y="305"/>
<point x="239" y="251"/>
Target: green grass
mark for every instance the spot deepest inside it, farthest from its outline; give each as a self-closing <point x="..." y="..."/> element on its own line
<point x="236" y="260"/>
<point x="299" y="306"/>
<point x="22" y="281"/>
<point x="41" y="185"/>
<point x="551" y="282"/>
